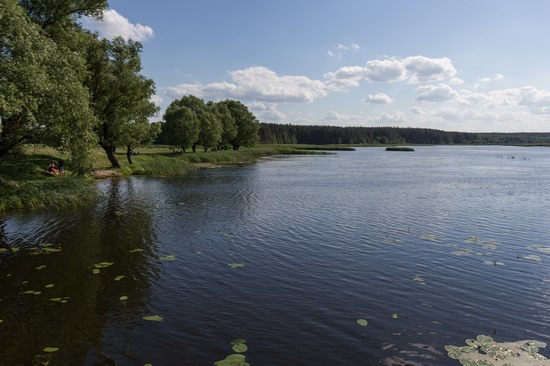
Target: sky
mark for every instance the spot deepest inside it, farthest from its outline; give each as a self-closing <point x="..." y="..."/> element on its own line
<point x="479" y="66"/>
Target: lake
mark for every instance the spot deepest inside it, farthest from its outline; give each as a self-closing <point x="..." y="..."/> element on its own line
<point x="430" y="247"/>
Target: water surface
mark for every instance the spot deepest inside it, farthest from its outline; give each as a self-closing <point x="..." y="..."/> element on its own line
<point x="320" y="241"/>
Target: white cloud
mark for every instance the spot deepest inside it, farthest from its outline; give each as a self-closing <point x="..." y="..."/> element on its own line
<point x="261" y="106"/>
<point x="435" y="93"/>
<point x="156" y="99"/>
<point x="273" y="116"/>
<point x="424" y="69"/>
<point x="487" y="80"/>
<point x="378" y="98"/>
<point x="417" y="110"/>
<point x="113" y="25"/>
<point x="499" y="77"/>
<point x="257" y="84"/>
<point x="342" y="49"/>
<point x="415" y="69"/>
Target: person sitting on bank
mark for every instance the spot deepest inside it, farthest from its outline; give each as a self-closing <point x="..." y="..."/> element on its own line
<point x="52" y="168"/>
<point x="61" y="166"/>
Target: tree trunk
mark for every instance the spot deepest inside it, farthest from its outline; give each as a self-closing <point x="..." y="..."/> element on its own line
<point x="129" y="154"/>
<point x="194" y="147"/>
<point x="205" y="149"/>
<point x="110" y="150"/>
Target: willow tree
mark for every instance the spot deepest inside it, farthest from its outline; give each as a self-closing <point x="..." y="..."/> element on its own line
<point x="181" y="126"/>
<point x="246" y="123"/>
<point x="41" y="92"/>
<point x="119" y="93"/>
<point x="229" y="129"/>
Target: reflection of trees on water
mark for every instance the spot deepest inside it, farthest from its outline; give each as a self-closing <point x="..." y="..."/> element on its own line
<point x="80" y="328"/>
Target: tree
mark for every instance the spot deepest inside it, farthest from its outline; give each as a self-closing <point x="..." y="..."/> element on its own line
<point x="229" y="129"/>
<point x="181" y="126"/>
<point x="41" y="94"/>
<point x="138" y="133"/>
<point x="246" y="123"/>
<point x="210" y="133"/>
<point x="120" y="95"/>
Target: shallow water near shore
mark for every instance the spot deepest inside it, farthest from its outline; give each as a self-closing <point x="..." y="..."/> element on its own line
<point x="429" y="248"/>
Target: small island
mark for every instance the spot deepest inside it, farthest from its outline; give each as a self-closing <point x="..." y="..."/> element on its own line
<point x="399" y="148"/>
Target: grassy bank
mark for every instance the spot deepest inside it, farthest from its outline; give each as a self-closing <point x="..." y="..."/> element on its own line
<point x="24" y="183"/>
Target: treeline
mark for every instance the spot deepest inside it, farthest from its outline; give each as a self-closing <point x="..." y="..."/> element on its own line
<point x="66" y="87"/>
<point x="190" y="122"/>
<point x="322" y="135"/>
<point x="271" y="133"/>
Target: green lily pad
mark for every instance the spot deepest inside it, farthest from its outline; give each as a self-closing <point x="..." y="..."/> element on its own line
<point x="236" y="265"/>
<point x="51" y="349"/>
<point x="103" y="265"/>
<point x="545" y="250"/>
<point x="240" y="348"/>
<point x="395" y="315"/>
<point x="15" y="249"/>
<point x="63" y="301"/>
<point x="50" y="285"/>
<point x="429" y="237"/>
<point x="236" y="359"/>
<point x="494" y="263"/>
<point x="153" y="318"/>
<point x="123" y="298"/>
<point x="238" y="341"/>
<point x="168" y="258"/>
<point x="489" y="246"/>
<point x="137" y="250"/>
<point x="419" y="279"/>
<point x="56" y="299"/>
<point x="472" y="240"/>
<point x="51" y="250"/>
<point x="118" y="278"/>
<point x="96" y="271"/>
<point x="532" y="257"/>
<point x="362" y="322"/>
<point x="461" y="253"/>
<point x="31" y="292"/>
<point x="41" y="267"/>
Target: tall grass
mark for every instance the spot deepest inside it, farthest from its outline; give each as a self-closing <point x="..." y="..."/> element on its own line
<point x="55" y="192"/>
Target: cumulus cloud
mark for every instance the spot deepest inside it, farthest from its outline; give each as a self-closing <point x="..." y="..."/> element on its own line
<point x="417" y="110"/>
<point x="378" y="98"/>
<point x="415" y="69"/>
<point x="156" y="99"/>
<point x="424" y="69"/>
<point x="342" y="49"/>
<point x="487" y="80"/>
<point x="113" y="25"/>
<point x="273" y="116"/>
<point x="435" y="93"/>
<point x="256" y="84"/>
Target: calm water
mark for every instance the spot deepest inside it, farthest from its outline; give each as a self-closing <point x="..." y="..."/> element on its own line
<point x="325" y="240"/>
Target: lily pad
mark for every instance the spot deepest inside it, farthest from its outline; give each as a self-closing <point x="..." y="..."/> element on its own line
<point x="118" y="278"/>
<point x="461" y="253"/>
<point x="238" y="341"/>
<point x="31" y="292"/>
<point x="494" y="263"/>
<point x="419" y="279"/>
<point x="123" y="298"/>
<point x="51" y="349"/>
<point x="489" y="246"/>
<point x="429" y="237"/>
<point x="51" y="250"/>
<point x="532" y="257"/>
<point x="153" y="318"/>
<point x="96" y="271"/>
<point x="137" y="250"/>
<point x="236" y="359"/>
<point x="50" y="285"/>
<point x="236" y="265"/>
<point x="170" y="257"/>
<point x="545" y="250"/>
<point x="103" y="265"/>
<point x="472" y="240"/>
<point x="240" y="348"/>
<point x="395" y="315"/>
<point x="362" y="322"/>
<point x="41" y="267"/>
<point x="56" y="299"/>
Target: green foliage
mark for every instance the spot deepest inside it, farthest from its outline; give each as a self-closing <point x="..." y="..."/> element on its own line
<point x="246" y="123"/>
<point x="399" y="148"/>
<point x="41" y="94"/>
<point x="210" y="133"/>
<point x="229" y="129"/>
<point x="181" y="128"/>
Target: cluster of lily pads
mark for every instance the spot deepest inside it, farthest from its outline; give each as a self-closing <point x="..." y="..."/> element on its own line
<point x="484" y="351"/>
<point x="236" y="359"/>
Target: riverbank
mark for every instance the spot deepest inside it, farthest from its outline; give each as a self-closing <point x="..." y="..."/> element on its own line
<point x="25" y="184"/>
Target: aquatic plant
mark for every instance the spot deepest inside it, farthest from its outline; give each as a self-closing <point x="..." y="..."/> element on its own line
<point x="236" y="265"/>
<point x="362" y="322"/>
<point x="153" y="318"/>
<point x="485" y="351"/>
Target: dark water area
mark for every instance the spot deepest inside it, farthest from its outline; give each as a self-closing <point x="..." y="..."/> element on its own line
<point x="454" y="240"/>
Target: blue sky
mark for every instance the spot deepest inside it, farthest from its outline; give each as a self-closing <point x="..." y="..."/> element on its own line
<point x="462" y="65"/>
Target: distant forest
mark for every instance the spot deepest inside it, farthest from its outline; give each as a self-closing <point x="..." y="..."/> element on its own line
<point x="271" y="133"/>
